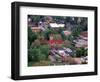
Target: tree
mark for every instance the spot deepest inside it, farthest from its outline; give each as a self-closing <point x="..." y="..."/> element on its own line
<point x="63" y="35"/>
<point x="47" y="34"/>
<point x="35" y="18"/>
<point x="59" y="18"/>
<point x="70" y="38"/>
<point x="81" y="52"/>
<point x="29" y="44"/>
<point x="31" y="36"/>
<point x="33" y="55"/>
<point x="37" y="54"/>
<point x="45" y="50"/>
<point x="76" y="31"/>
<point x="60" y="30"/>
<point x="68" y="19"/>
<point x="83" y="24"/>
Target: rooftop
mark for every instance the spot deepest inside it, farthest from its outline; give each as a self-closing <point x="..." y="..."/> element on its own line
<point x="55" y="25"/>
<point x="85" y="34"/>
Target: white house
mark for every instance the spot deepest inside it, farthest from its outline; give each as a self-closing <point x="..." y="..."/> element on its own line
<point x="55" y="25"/>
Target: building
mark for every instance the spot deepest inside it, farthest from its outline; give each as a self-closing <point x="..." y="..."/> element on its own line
<point x="67" y="32"/>
<point x="82" y="40"/>
<point x="55" y="25"/>
<point x="84" y="35"/>
<point x="81" y="43"/>
<point x="36" y="29"/>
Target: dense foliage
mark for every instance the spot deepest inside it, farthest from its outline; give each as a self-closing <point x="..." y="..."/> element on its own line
<point x="81" y="52"/>
<point x="31" y="36"/>
<point x="39" y="53"/>
<point x="76" y="31"/>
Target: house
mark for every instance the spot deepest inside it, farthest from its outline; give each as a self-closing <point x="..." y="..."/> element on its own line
<point x="81" y="43"/>
<point x="36" y="29"/>
<point x="67" y="32"/>
<point x="82" y="40"/>
<point x="84" y="35"/>
<point x="55" y="25"/>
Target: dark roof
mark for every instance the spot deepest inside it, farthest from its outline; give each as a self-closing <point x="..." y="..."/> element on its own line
<point x="85" y="34"/>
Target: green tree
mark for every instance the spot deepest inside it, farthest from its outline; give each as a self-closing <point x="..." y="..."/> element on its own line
<point x="58" y="18"/>
<point x="31" y="36"/>
<point x="35" y="18"/>
<point x="63" y="35"/>
<point x="45" y="50"/>
<point x="81" y="52"/>
<point x="70" y="38"/>
<point x="60" y="30"/>
<point x="76" y="31"/>
<point x="83" y="24"/>
<point x="29" y="44"/>
<point x="37" y="54"/>
<point x="47" y="33"/>
<point x="33" y="55"/>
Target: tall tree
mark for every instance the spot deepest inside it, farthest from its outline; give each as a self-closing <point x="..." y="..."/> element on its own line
<point x="76" y="31"/>
<point x="31" y="36"/>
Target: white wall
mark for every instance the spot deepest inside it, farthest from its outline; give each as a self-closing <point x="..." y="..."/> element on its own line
<point x="5" y="39"/>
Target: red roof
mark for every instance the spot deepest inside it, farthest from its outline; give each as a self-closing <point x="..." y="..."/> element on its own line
<point x="55" y="41"/>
